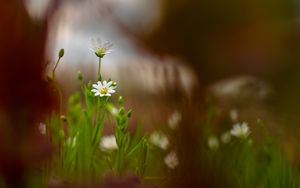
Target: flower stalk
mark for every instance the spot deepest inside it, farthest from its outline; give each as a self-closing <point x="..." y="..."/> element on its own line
<point x="99" y="70"/>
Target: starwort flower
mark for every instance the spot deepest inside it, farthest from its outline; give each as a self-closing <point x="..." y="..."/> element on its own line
<point x="171" y="160"/>
<point x="108" y="143"/>
<point x="240" y="130"/>
<point x="213" y="143"/>
<point x="101" y="48"/>
<point x="103" y="89"/>
<point x="174" y="120"/>
<point x="159" y="139"/>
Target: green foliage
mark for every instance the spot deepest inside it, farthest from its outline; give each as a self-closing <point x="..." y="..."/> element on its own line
<point x="248" y="163"/>
<point x="78" y="138"/>
<point x="80" y="155"/>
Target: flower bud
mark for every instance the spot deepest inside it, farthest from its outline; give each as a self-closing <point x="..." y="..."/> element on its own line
<point x="89" y="85"/>
<point x="120" y="100"/>
<point x="121" y="111"/>
<point x="79" y="76"/>
<point x="61" y="53"/>
<point x="63" y="118"/>
<point x="129" y="113"/>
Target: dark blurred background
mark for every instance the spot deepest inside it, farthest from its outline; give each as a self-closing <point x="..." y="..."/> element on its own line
<point x="168" y="55"/>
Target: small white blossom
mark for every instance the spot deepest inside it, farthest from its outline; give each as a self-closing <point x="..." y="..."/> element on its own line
<point x="174" y="120"/>
<point x="213" y="143"/>
<point x="103" y="89"/>
<point x="240" y="130"/>
<point x="108" y="143"/>
<point x="101" y="48"/>
<point x="112" y="109"/>
<point x="42" y="128"/>
<point x="160" y="140"/>
<point x="171" y="160"/>
<point x="226" y="137"/>
<point x="234" y="115"/>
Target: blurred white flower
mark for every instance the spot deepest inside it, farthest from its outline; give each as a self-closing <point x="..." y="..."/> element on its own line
<point x="171" y="160"/>
<point x="234" y="115"/>
<point x="42" y="128"/>
<point x="108" y="143"/>
<point x="240" y="130"/>
<point x="159" y="139"/>
<point x="101" y="48"/>
<point x="112" y="109"/>
<point x="213" y="143"/>
<point x="174" y="120"/>
<point x="103" y="89"/>
<point x="226" y="137"/>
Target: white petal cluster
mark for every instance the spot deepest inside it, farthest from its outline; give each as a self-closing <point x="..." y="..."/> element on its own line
<point x="171" y="160"/>
<point x="240" y="130"/>
<point x="101" y="48"/>
<point x="174" y="120"/>
<point x="103" y="88"/>
<point x="112" y="109"/>
<point x="213" y="143"/>
<point x="108" y="143"/>
<point x="160" y="140"/>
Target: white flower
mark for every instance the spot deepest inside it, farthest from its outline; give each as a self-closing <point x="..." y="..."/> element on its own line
<point x="103" y="89"/>
<point x="112" y="109"/>
<point x="108" y="143"/>
<point x="226" y="137"/>
<point x="213" y="143"/>
<point x="101" y="48"/>
<point x="240" y="130"/>
<point x="171" y="160"/>
<point x="174" y="120"/>
<point x="160" y="140"/>
<point x="42" y="128"/>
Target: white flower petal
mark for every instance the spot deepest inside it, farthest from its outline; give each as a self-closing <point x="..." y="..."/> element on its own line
<point x="171" y="160"/>
<point x="240" y="130"/>
<point x="109" y="84"/>
<point x="108" y="143"/>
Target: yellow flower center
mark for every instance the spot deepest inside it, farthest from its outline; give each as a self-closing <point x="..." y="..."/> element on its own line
<point x="100" y="52"/>
<point x="104" y="90"/>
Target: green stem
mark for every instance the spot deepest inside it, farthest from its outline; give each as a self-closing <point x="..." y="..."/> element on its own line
<point x="57" y="88"/>
<point x="98" y="123"/>
<point x="99" y="68"/>
<point x="53" y="71"/>
<point x="60" y="98"/>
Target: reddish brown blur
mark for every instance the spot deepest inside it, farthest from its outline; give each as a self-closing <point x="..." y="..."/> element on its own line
<point x="24" y="95"/>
